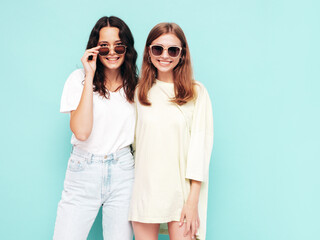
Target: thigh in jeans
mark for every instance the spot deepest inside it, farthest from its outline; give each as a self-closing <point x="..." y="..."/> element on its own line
<point x="80" y="200"/>
<point x="116" y="207"/>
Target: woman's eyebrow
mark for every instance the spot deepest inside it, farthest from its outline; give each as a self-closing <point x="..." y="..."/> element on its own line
<point x="117" y="41"/>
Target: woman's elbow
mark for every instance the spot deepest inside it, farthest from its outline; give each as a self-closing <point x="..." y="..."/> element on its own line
<point x="82" y="133"/>
<point x="81" y="136"/>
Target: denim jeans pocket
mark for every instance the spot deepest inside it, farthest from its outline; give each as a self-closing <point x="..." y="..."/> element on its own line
<point x="126" y="162"/>
<point x="77" y="163"/>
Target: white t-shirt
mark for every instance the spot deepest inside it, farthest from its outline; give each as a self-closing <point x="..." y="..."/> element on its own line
<point x="113" y="118"/>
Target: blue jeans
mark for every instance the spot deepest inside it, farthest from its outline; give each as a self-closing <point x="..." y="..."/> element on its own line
<point x="93" y="181"/>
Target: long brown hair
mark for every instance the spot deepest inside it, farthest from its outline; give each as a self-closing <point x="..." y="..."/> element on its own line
<point x="182" y="73"/>
<point x="128" y="68"/>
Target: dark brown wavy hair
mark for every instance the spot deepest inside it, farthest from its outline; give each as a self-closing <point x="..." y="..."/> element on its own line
<point x="182" y="73"/>
<point x="128" y="68"/>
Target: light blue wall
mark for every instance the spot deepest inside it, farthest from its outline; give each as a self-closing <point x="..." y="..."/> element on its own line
<point x="260" y="63"/>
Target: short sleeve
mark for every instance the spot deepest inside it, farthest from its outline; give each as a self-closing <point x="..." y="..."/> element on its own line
<point x="201" y="139"/>
<point x="72" y="91"/>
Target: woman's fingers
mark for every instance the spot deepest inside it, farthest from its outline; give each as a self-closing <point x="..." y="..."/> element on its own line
<point x="95" y="48"/>
<point x="86" y="57"/>
<point x="89" y="59"/>
<point x="182" y="218"/>
<point x="90" y="53"/>
<point x="187" y="229"/>
<point x="194" y="228"/>
<point x="94" y="57"/>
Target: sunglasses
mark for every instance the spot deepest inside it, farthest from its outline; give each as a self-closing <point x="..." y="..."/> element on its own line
<point x="119" y="49"/>
<point x="173" y="51"/>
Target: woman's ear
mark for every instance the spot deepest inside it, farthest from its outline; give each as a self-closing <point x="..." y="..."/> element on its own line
<point x="181" y="60"/>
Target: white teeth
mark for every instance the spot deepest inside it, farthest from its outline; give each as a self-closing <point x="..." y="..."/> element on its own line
<point x="164" y="62"/>
<point x="112" y="58"/>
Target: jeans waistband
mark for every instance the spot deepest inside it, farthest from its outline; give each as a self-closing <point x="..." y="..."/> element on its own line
<point x="100" y="157"/>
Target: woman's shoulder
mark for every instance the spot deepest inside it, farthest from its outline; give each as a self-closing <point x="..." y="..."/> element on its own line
<point x="200" y="89"/>
<point x="76" y="77"/>
<point x="77" y="74"/>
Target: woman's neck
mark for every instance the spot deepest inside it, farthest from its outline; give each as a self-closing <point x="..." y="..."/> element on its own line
<point x="113" y="79"/>
<point x="165" y="76"/>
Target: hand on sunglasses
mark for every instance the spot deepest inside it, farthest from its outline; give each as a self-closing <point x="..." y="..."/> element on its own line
<point x="89" y="60"/>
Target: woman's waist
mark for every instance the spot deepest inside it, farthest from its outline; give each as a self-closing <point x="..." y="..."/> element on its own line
<point x="88" y="154"/>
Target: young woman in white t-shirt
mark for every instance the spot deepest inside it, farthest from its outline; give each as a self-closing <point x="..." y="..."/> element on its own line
<point x="100" y="170"/>
<point x="174" y="137"/>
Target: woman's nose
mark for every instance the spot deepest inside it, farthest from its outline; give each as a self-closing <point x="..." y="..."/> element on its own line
<point x="165" y="53"/>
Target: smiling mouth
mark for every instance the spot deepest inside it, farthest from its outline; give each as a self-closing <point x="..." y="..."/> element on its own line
<point x="112" y="59"/>
<point x="164" y="62"/>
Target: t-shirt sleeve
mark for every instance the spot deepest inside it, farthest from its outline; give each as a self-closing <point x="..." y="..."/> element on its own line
<point x="72" y="91"/>
<point x="201" y="141"/>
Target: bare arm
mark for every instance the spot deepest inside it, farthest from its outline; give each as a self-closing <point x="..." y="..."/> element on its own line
<point x="193" y="198"/>
<point x="81" y="119"/>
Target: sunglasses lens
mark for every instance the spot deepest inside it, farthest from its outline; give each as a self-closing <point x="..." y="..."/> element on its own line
<point x="104" y="51"/>
<point x="120" y="49"/>
<point x="156" y="50"/>
<point x="173" y="51"/>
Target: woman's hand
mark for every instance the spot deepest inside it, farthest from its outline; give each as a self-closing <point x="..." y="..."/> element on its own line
<point x="81" y="119"/>
<point x="190" y="213"/>
<point x="90" y="65"/>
